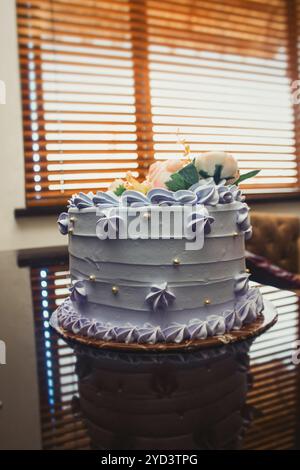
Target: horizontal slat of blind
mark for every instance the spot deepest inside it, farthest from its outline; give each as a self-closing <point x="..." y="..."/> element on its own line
<point x="236" y="101"/>
<point x="273" y="395"/>
<point x="61" y="428"/>
<point x="294" y="13"/>
<point x="107" y="86"/>
<point x="81" y="127"/>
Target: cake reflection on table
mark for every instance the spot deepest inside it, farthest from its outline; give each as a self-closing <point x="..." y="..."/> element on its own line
<point x="190" y="400"/>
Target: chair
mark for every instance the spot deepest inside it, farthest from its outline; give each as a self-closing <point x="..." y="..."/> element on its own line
<point x="273" y="251"/>
<point x="276" y="237"/>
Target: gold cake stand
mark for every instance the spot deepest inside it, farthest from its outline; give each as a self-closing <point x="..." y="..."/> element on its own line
<point x="264" y="321"/>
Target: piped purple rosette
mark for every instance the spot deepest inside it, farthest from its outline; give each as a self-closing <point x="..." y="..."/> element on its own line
<point x="229" y="193"/>
<point x="206" y="192"/>
<point x="78" y="291"/>
<point x="109" y="223"/>
<point x="149" y="334"/>
<point x="241" y="285"/>
<point x="81" y="200"/>
<point x="243" y="221"/>
<point x="200" y="221"/>
<point x="105" y="200"/>
<point x="248" y="306"/>
<point x="63" y="223"/>
<point x="237" y="193"/>
<point x="160" y="297"/>
<point x="134" y="199"/>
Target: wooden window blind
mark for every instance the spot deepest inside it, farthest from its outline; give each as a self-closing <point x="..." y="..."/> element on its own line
<point x="275" y="379"/>
<point x="61" y="427"/>
<point x="108" y="85"/>
<point x="272" y="398"/>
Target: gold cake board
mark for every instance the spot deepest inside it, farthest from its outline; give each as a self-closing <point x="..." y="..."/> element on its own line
<point x="263" y="322"/>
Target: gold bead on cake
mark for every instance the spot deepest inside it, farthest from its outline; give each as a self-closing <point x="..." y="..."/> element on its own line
<point x="176" y="261"/>
<point x="115" y="290"/>
<point x="71" y="230"/>
<point x="72" y="219"/>
<point x="207" y="302"/>
<point x="92" y="277"/>
<point x="247" y="270"/>
<point x="235" y="234"/>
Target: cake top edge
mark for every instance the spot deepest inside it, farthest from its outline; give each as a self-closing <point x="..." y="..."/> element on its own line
<point x="231" y="206"/>
<point x="200" y="186"/>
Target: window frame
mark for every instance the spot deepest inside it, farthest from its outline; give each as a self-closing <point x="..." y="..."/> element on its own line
<point x="143" y="113"/>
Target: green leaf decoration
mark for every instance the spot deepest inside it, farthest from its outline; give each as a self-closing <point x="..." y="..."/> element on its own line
<point x="120" y="190"/>
<point x="217" y="173"/>
<point x="190" y="174"/>
<point x="176" y="182"/>
<point x="246" y="176"/>
<point x="204" y="174"/>
<point x="184" y="178"/>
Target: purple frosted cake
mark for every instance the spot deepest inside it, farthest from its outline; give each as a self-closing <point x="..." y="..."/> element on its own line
<point x="161" y="261"/>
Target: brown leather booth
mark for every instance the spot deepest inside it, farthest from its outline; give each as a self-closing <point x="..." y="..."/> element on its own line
<point x="277" y="238"/>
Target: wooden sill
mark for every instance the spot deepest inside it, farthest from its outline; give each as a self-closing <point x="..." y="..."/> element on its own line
<point x="276" y="197"/>
<point x="39" y="211"/>
<point x="37" y="257"/>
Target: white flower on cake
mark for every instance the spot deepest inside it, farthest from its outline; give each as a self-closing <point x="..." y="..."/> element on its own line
<point x="218" y="165"/>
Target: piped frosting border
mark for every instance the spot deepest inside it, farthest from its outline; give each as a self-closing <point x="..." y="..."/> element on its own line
<point x="246" y="310"/>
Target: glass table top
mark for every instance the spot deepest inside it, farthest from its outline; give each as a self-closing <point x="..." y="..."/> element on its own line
<point x="55" y="396"/>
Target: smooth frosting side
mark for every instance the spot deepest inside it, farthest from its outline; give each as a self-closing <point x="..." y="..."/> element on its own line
<point x="156" y="252"/>
<point x="161" y="317"/>
<point x="245" y="310"/>
<point x="116" y="272"/>
<point x="192" y="277"/>
<point x="133" y="296"/>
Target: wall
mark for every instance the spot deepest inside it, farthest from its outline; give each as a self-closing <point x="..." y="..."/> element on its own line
<point x="33" y="232"/>
<point x="25" y="233"/>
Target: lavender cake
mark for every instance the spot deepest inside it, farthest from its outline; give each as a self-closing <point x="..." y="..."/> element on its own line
<point x="161" y="261"/>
